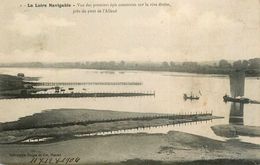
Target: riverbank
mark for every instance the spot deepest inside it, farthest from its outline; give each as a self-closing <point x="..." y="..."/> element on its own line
<point x="60" y="124"/>
<point x="67" y="117"/>
<point x="236" y="130"/>
<point x="172" y="148"/>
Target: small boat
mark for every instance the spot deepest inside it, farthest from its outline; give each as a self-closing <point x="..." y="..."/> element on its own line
<point x="57" y="89"/>
<point x="191" y="97"/>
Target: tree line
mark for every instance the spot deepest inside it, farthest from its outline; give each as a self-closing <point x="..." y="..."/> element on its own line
<point x="251" y="66"/>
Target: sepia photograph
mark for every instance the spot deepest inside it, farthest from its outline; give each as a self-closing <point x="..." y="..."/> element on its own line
<point x="120" y="82"/>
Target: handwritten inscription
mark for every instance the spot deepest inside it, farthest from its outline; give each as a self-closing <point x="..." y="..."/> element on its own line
<point x="47" y="158"/>
<point x="55" y="160"/>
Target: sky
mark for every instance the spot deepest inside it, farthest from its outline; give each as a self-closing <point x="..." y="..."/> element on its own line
<point x="188" y="30"/>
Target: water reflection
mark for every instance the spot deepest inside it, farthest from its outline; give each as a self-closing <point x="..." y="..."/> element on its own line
<point x="237" y="88"/>
<point x="236" y="115"/>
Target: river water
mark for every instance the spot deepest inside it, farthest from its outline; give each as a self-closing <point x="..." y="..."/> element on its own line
<point x="169" y="88"/>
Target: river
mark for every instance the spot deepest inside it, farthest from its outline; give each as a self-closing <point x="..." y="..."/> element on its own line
<point x="169" y="88"/>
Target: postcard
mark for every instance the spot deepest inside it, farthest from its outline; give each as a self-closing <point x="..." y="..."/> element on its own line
<point x="129" y="82"/>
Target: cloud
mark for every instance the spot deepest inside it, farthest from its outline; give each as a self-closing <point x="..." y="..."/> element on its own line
<point x="35" y="25"/>
<point x="137" y="54"/>
<point x="187" y="30"/>
<point x="26" y="38"/>
<point x="27" y="56"/>
<point x="140" y="54"/>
